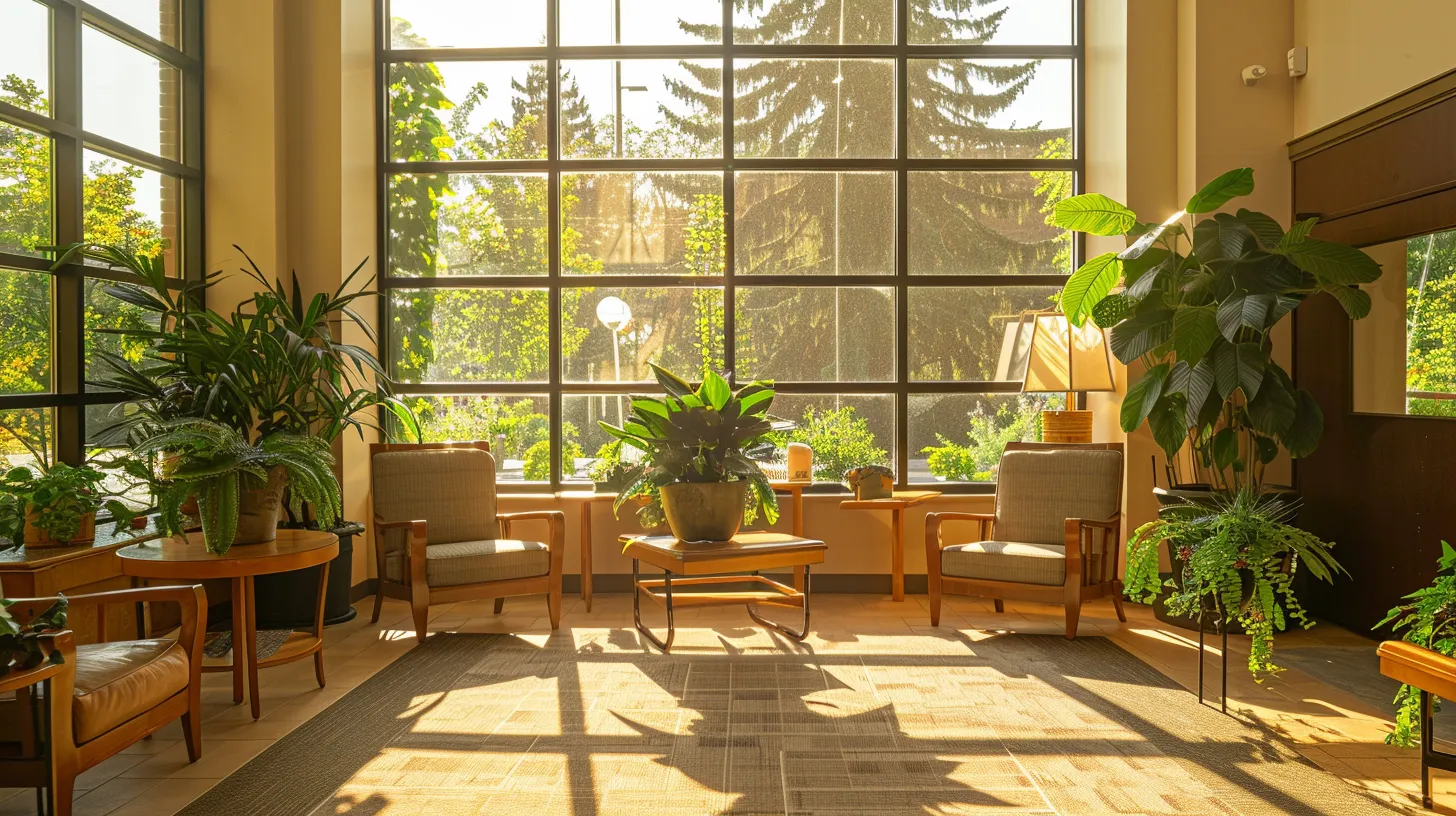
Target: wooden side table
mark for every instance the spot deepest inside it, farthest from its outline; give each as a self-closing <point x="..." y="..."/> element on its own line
<point x="590" y="497"/>
<point x="896" y="504"/>
<point x="706" y="565"/>
<point x="187" y="559"/>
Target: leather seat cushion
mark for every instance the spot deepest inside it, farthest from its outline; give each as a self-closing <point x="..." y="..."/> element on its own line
<point x="118" y="681"/>
<point x="474" y="562"/>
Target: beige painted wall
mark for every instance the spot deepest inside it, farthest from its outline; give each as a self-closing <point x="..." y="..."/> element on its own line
<point x="1362" y="51"/>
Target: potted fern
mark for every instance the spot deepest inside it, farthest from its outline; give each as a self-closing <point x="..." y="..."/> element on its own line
<point x="697" y="442"/>
<point x="1428" y="620"/>
<point x="1195" y="299"/>
<point x="238" y="484"/>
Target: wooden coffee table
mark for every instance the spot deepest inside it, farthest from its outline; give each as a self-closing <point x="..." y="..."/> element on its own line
<point x="709" y="564"/>
<point x="896" y="504"/>
<point x="186" y="558"/>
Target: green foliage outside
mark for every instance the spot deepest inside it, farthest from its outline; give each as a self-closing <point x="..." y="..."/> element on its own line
<point x="1431" y="322"/>
<point x="841" y="440"/>
<point x="978" y="459"/>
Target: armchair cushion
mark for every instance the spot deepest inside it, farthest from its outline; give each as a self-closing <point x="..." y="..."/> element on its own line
<point x="118" y="681"/>
<point x="453" y="489"/>
<point x="1037" y="491"/>
<point x="1021" y="563"/>
<point x="474" y="562"/>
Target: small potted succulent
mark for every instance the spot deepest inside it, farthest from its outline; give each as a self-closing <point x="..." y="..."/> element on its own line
<point x="698" y="442"/>
<point x="871" y="482"/>
<point x="53" y="504"/>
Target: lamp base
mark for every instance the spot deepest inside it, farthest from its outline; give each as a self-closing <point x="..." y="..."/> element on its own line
<point x="1066" y="427"/>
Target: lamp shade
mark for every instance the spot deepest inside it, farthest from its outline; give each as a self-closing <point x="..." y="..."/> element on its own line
<point x="1066" y="358"/>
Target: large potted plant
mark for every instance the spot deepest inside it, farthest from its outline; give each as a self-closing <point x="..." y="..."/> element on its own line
<point x="697" y="442"/>
<point x="53" y="504"/>
<point x="271" y="366"/>
<point x="1195" y="301"/>
<point x="1428" y="620"/>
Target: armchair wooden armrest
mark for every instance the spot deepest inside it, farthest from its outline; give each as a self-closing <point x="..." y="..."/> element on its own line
<point x="50" y="643"/>
<point x="934" y="520"/>
<point x="555" y="531"/>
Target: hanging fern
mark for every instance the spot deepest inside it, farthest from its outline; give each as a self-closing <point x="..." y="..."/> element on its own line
<point x="1428" y="621"/>
<point x="1224" y="543"/>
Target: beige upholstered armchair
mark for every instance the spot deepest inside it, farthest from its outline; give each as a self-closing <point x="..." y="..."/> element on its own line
<point x="439" y="539"/>
<point x="1055" y="534"/>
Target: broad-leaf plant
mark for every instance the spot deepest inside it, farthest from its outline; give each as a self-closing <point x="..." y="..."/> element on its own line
<point x="1427" y="619"/>
<point x="702" y="433"/>
<point x="20" y="643"/>
<point x="1194" y="300"/>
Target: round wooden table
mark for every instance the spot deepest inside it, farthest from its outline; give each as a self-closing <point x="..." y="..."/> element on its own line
<point x="186" y="558"/>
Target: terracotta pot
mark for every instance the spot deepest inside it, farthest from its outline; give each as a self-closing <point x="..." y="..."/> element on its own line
<point x="711" y="511"/>
<point x="259" y="510"/>
<point x="36" y="538"/>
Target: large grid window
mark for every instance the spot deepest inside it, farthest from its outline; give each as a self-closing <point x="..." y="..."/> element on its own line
<point x="849" y="197"/>
<point x="100" y="141"/>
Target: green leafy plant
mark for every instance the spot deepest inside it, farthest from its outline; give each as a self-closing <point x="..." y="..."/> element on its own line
<point x="1196" y="301"/>
<point x="56" y="497"/>
<point x="701" y="434"/>
<point x="20" y="643"/>
<point x="989" y="433"/>
<point x="216" y="463"/>
<point x="270" y="366"/>
<point x="841" y="439"/>
<point x="1428" y="621"/>
<point x="609" y="470"/>
<point x="1233" y="551"/>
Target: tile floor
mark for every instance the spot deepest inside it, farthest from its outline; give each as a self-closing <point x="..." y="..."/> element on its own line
<point x="1333" y="729"/>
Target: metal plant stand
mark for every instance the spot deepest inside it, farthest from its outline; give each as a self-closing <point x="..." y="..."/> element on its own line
<point x="1223" y="633"/>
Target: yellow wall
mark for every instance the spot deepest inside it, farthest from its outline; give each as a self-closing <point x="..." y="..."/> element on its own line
<point x="1362" y="51"/>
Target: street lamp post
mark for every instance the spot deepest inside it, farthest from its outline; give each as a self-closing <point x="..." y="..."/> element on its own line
<point x="615" y="314"/>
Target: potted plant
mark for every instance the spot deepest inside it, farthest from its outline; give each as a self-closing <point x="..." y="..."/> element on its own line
<point x="270" y="366"/>
<point x="1195" y="301"/>
<point x="1428" y="620"/>
<point x="696" y="441"/>
<point x="238" y="484"/>
<point x="53" y="504"/>
<point x="609" y="474"/>
<point x="20" y="647"/>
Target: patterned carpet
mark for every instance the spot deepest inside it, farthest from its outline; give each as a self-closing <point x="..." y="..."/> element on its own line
<point x="495" y="724"/>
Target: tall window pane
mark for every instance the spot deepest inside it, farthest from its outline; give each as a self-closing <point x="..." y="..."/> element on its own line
<point x="641" y="22"/>
<point x="610" y="335"/>
<point x="998" y="22"/>
<point x="814" y="108"/>
<point x="25" y="54"/>
<point x="467" y="224"/>
<point x="26" y="434"/>
<point x="468" y="335"/>
<point x="131" y="207"/>
<point x="516" y="425"/>
<point x="815" y="22"/>
<point x="964" y="333"/>
<point x="25" y="332"/>
<point x="649" y="109"/>
<point x="25" y="189"/>
<point x="642" y="224"/>
<point x="129" y="95"/>
<point x="469" y="111"/>
<point x="960" y="437"/>
<point x="979" y="223"/>
<point x="989" y="108"/>
<point x="466" y="24"/>
<point x="844" y="430"/>
<point x="816" y="334"/>
<point x="155" y="18"/>
<point x="814" y="223"/>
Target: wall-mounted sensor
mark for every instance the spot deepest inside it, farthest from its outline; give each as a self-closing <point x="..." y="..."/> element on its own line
<point x="1254" y="73"/>
<point x="1298" y="61"/>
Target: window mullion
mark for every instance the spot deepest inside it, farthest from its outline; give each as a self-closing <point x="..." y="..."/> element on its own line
<point x="68" y="347"/>
<point x="902" y="255"/>
<point x="553" y="234"/>
<point x="730" y="305"/>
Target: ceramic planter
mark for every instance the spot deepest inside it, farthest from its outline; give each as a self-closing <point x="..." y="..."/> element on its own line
<point x="710" y="511"/>
<point x="259" y="510"/>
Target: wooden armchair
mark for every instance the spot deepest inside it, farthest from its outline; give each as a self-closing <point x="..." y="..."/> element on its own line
<point x="1055" y="534"/>
<point x="103" y="696"/>
<point x="439" y="539"/>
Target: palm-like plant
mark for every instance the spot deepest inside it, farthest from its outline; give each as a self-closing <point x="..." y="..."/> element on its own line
<point x="216" y="463"/>
<point x="703" y="434"/>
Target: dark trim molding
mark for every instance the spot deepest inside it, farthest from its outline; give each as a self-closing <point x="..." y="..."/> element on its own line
<point x="1411" y="100"/>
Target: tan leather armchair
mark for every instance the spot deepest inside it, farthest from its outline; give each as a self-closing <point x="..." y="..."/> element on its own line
<point x="104" y="696"/>
<point x="439" y="539"/>
<point x="1055" y="535"/>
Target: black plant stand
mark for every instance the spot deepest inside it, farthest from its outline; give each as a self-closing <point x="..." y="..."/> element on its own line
<point x="1223" y="631"/>
<point x="285" y="600"/>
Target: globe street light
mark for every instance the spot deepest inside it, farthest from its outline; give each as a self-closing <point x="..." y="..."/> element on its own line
<point x="615" y="314"/>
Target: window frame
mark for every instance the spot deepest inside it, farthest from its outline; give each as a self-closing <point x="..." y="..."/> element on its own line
<point x="68" y="397"/>
<point x="552" y="54"/>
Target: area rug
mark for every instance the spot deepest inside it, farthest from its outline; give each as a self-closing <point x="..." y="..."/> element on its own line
<point x="496" y="724"/>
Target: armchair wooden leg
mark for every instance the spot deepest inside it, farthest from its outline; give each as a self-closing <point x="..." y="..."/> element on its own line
<point x="1000" y="604"/>
<point x="421" y="609"/>
<point x="500" y="604"/>
<point x="1074" y="609"/>
<point x="553" y="601"/>
<point x="192" y="733"/>
<point x="378" y="602"/>
<point x="1117" y="601"/>
<point x="63" y="790"/>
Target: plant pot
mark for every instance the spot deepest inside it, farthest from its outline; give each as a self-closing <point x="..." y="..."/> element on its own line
<point x="287" y="600"/>
<point x="259" y="510"/>
<point x="704" y="511"/>
<point x="36" y="538"/>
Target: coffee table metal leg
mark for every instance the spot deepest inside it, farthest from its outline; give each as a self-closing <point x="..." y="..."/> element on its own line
<point x="778" y="627"/>
<point x="665" y="646"/>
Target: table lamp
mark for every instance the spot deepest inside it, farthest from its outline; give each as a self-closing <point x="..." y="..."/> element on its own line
<point x="1065" y="358"/>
